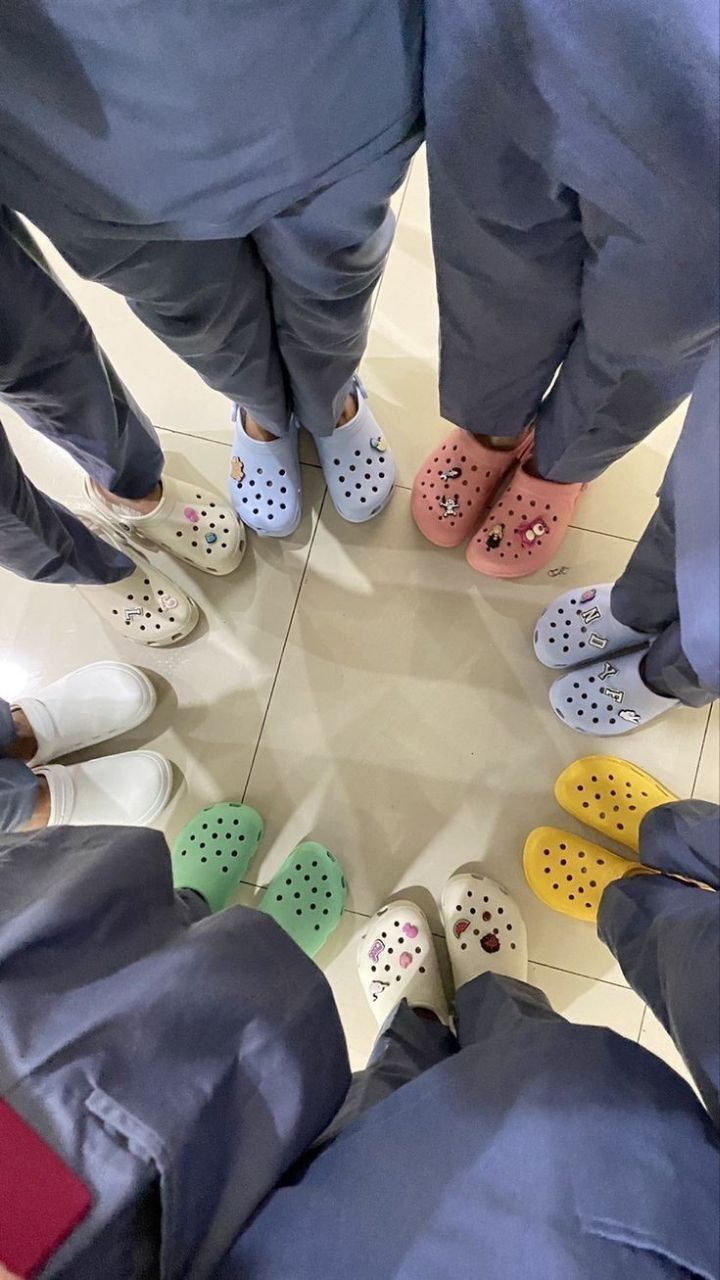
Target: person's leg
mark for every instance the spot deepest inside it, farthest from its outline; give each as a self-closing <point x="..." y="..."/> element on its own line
<point x="324" y="258"/>
<point x="57" y="378"/>
<point x="18" y="785"/>
<point x="665" y="934"/>
<point x="399" y="972"/>
<point x="231" y="1115"/>
<point x="208" y="301"/>
<point x="44" y="542"/>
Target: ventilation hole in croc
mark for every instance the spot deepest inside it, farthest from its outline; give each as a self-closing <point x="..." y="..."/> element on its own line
<point x="203" y="859"/>
<point x="556" y="886"/>
<point x="547" y="871"/>
<point x="593" y="884"/>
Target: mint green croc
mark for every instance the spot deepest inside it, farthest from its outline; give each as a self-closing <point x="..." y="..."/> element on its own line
<point x="215" y="849"/>
<point x="307" y="896"/>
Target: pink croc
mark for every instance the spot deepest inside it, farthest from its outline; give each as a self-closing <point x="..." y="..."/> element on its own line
<point x="455" y="484"/>
<point x="524" y="528"/>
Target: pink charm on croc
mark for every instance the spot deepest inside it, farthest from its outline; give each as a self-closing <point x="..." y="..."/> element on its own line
<point x="192" y="515"/>
<point x="405" y="960"/>
<point x="410" y="930"/>
<point x="460" y="926"/>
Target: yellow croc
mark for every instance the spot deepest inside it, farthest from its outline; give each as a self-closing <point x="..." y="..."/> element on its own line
<point x="610" y="795"/>
<point x="570" y="874"/>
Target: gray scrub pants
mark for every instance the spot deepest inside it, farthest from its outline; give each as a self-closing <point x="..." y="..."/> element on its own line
<point x="573" y="160"/>
<point x="276" y="320"/>
<point x="55" y="376"/>
<point x="671" y="587"/>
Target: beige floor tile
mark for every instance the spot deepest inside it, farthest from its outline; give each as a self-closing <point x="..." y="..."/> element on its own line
<point x="215" y="686"/>
<point x="707" y="785"/>
<point x="410" y="728"/>
<point x="654" y="1037"/>
<point x="400" y="370"/>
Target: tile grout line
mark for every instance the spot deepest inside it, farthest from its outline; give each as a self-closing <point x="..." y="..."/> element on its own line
<point x="284" y="647"/>
<point x="642" y="1022"/>
<point x="700" y="752"/>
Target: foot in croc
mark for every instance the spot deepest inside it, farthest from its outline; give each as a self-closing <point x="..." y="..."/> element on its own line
<point x="214" y="850"/>
<point x="484" y="929"/>
<point x="307" y="896"/>
<point x="608" y="697"/>
<point x="397" y="961"/>
<point x="579" y="626"/>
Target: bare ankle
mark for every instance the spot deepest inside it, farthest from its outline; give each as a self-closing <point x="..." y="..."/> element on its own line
<point x="349" y="412"/>
<point x="24" y="745"/>
<point x="256" y="432"/>
<point x="41" y="812"/>
<point x="506" y="442"/>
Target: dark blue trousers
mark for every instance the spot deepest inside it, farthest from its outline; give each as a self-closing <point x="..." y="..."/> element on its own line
<point x="573" y="157"/>
<point x="671" y="586"/>
<point x="526" y="1145"/>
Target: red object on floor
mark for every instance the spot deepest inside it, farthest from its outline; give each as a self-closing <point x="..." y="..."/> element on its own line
<point x="41" y="1199"/>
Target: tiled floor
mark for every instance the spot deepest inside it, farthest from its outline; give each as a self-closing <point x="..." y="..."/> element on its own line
<point x="355" y="684"/>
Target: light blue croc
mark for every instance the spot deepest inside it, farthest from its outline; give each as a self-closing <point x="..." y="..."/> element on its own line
<point x="358" y="465"/>
<point x="608" y="697"/>
<point x="265" y="486"/>
<point x="579" y="626"/>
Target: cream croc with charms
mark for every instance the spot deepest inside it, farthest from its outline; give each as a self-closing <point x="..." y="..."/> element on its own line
<point x="146" y="607"/>
<point x="192" y="524"/>
<point x="397" y="960"/>
<point x="484" y="929"/>
<point x="358" y="464"/>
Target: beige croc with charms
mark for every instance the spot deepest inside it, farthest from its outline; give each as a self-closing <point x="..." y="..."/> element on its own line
<point x="146" y="607"/>
<point x="484" y="929"/>
<point x="196" y="526"/>
<point x="397" y="961"/>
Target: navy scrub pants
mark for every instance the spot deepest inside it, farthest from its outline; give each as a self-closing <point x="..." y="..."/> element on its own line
<point x="58" y="380"/>
<point x="276" y="320"/>
<point x="671" y="587"/>
<point x="524" y="1145"/>
<point x="573" y="159"/>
